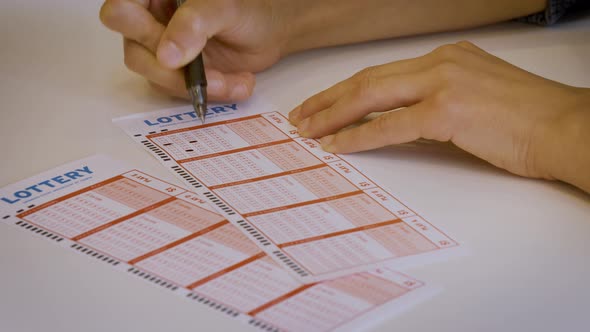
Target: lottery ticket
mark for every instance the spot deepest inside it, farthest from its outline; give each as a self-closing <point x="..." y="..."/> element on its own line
<point x="313" y="212"/>
<point x="171" y="237"/>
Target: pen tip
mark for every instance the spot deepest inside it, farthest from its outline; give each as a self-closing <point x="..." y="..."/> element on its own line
<point x="199" y="100"/>
<point x="201" y="110"/>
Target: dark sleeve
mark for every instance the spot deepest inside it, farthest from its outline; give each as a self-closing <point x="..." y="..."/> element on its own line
<point x="555" y="10"/>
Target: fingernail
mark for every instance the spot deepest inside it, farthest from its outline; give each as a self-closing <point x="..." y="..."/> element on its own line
<point x="239" y="92"/>
<point x="170" y="54"/>
<point x="326" y="142"/>
<point x="294" y="115"/>
<point x="215" y="85"/>
<point x="302" y="128"/>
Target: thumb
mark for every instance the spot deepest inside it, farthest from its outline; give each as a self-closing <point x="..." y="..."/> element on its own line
<point x="396" y="127"/>
<point x="190" y="27"/>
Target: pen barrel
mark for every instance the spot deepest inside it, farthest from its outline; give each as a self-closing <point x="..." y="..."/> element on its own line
<point x="194" y="73"/>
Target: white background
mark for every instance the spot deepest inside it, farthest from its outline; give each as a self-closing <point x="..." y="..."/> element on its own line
<point x="62" y="80"/>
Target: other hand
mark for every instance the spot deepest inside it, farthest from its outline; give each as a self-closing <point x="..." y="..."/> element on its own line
<point x="515" y="120"/>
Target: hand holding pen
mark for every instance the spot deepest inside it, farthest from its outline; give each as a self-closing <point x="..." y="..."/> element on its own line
<point x="160" y="41"/>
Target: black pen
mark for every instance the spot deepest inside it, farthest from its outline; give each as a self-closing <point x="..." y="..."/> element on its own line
<point x="196" y="81"/>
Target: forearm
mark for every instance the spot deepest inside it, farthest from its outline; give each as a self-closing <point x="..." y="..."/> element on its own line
<point x="319" y="23"/>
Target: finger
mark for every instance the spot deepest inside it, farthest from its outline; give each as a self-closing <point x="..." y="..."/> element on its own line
<point x="234" y="86"/>
<point x="329" y="96"/>
<point x="238" y="86"/>
<point x="190" y="27"/>
<point x="132" y="20"/>
<point x="141" y="61"/>
<point x="169" y="92"/>
<point x="395" y="127"/>
<point x="320" y="101"/>
<point x="371" y="95"/>
<point x="238" y="90"/>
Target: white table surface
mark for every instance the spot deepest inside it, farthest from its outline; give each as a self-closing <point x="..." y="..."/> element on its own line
<point x="62" y="80"/>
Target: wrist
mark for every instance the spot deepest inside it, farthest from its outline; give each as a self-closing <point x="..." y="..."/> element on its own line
<point x="568" y="159"/>
<point x="298" y="21"/>
<point x="310" y="24"/>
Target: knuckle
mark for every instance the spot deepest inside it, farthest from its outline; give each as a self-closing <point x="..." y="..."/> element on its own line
<point x="447" y="52"/>
<point x="448" y="71"/>
<point x="188" y="17"/>
<point x="183" y="22"/>
<point x="188" y="28"/>
<point x="466" y="43"/>
<point x="470" y="49"/>
<point x="366" y="86"/>
<point x="365" y="73"/>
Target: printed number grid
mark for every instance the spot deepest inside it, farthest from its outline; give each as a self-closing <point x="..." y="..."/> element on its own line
<point x="175" y="240"/>
<point x="303" y="202"/>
